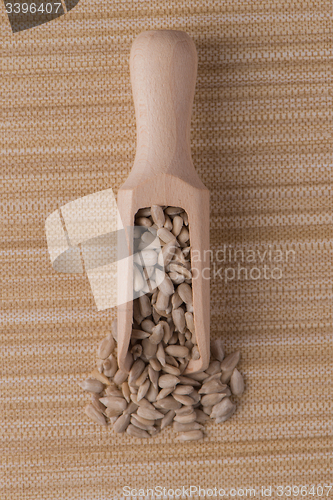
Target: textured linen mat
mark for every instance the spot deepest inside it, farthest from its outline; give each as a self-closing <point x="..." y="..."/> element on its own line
<point x="262" y="144"/>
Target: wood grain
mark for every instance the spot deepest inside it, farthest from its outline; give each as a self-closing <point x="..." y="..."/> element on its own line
<point x="163" y="68"/>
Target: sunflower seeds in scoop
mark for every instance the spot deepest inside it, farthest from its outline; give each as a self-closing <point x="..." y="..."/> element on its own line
<point x="165" y="235"/>
<point x="162" y="301"/>
<point x="189" y="321"/>
<point x="173" y="210"/>
<point x="136" y="351"/>
<point x="183" y="236"/>
<point x="139" y="334"/>
<point x="176" y="278"/>
<point x="167" y="253"/>
<point x="138" y="280"/>
<point x="158" y="215"/>
<point x="136" y="312"/>
<point x="173" y="338"/>
<point x="178" y="317"/>
<point x="177" y="225"/>
<point x="188" y="343"/>
<point x="121" y="423"/>
<point x="147" y="238"/>
<point x="167" y="331"/>
<point x="177" y="351"/>
<point x="143" y="212"/>
<point x="181" y="339"/>
<point x="176" y="301"/>
<point x="143" y="221"/>
<point x="185" y="293"/>
<point x="195" y="354"/>
<point x="189" y="307"/>
<point x="149" y="349"/>
<point x="167" y="223"/>
<point x="177" y="268"/>
<point x="184" y="216"/>
<point x="237" y="383"/>
<point x="147" y="325"/>
<point x="145" y="307"/>
<point x="94" y="414"/>
<point x="164" y="283"/>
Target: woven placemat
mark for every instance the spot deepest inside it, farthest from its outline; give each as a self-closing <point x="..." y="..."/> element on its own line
<point x="261" y="142"/>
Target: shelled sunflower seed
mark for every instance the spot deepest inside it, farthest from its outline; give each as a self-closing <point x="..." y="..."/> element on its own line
<point x="156" y="393"/>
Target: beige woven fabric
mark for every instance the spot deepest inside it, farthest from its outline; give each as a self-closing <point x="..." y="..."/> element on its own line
<point x="261" y="142"/>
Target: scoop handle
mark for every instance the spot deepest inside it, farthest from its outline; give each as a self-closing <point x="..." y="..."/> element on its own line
<point x="163" y="67"/>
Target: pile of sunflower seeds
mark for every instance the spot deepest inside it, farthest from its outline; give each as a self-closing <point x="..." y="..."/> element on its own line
<point x="156" y="393"/>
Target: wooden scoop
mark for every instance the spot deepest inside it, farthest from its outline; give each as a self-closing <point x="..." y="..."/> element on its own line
<point x="163" y="67"/>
